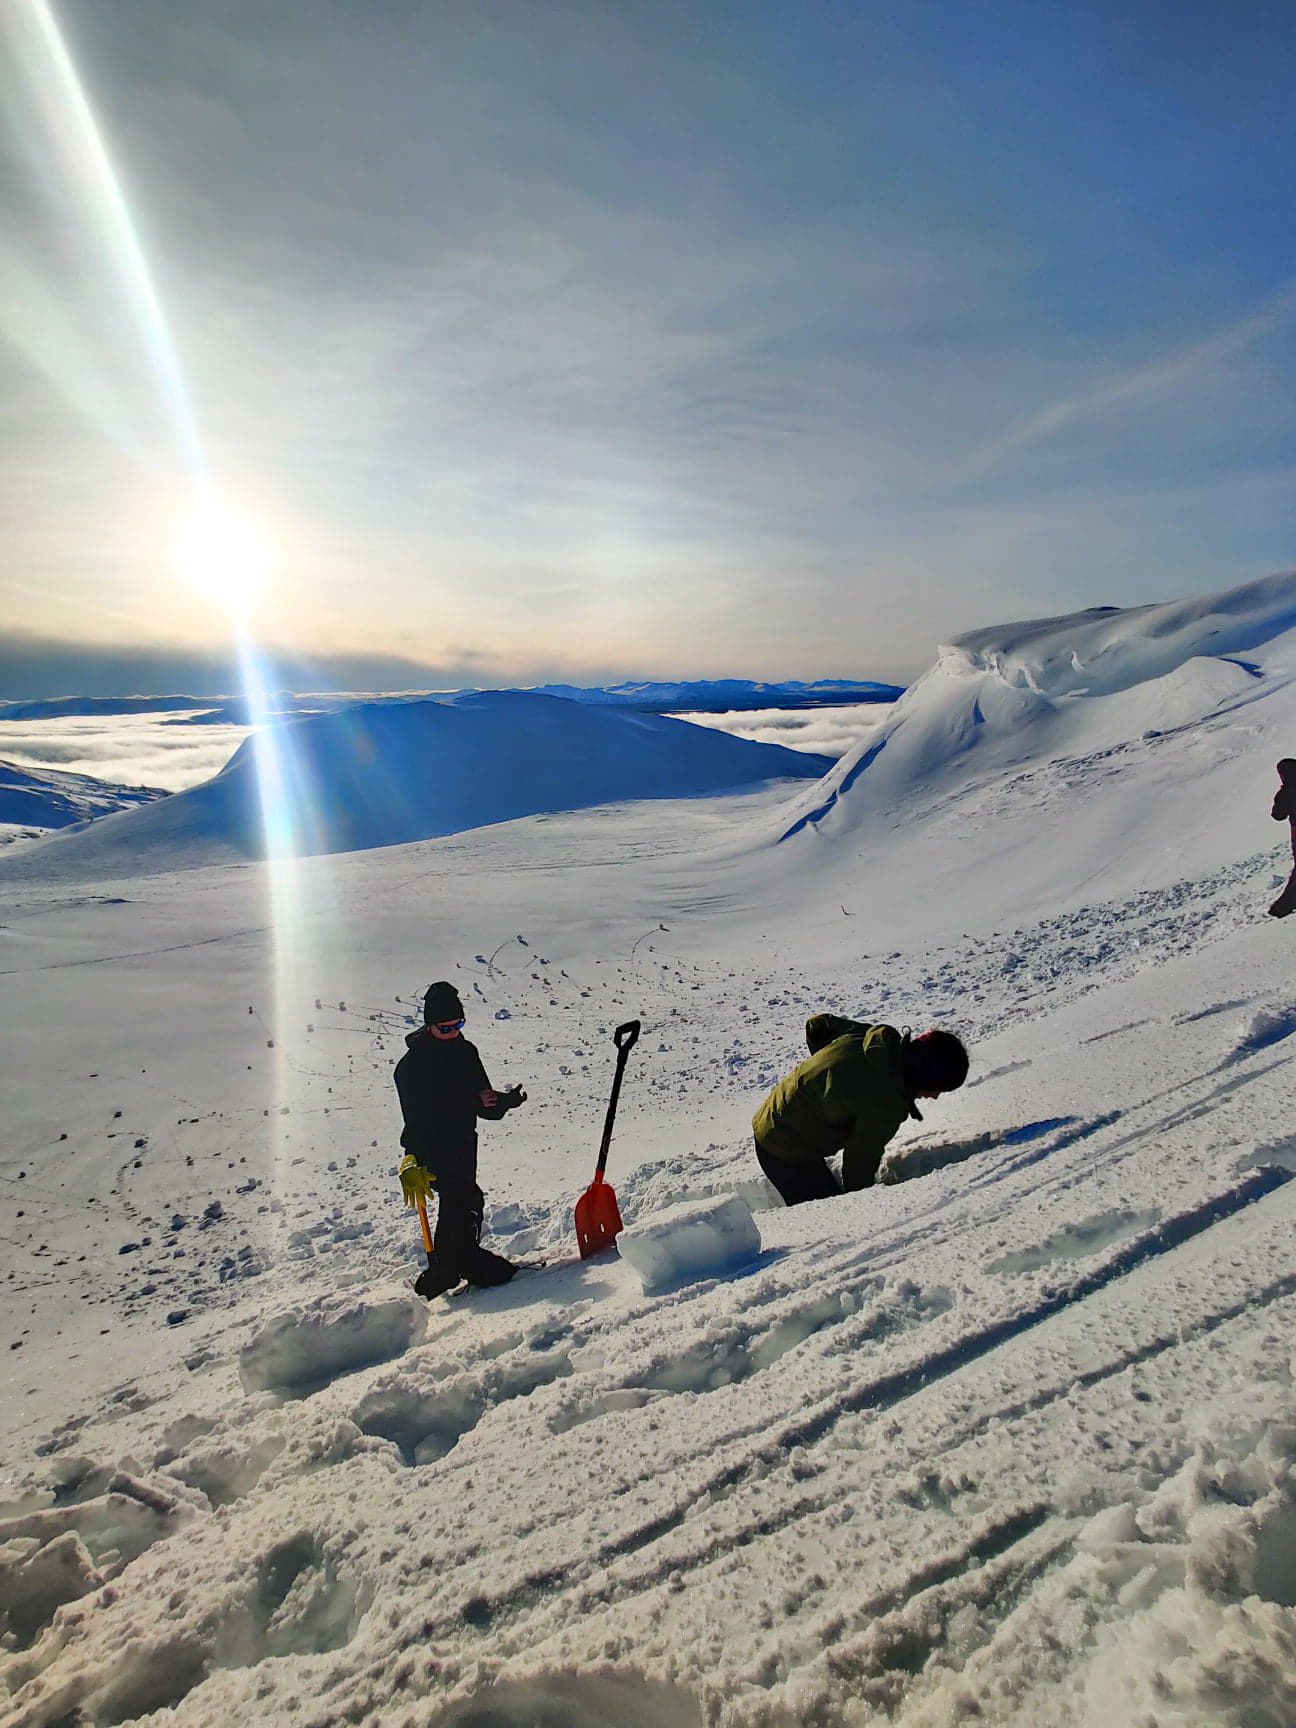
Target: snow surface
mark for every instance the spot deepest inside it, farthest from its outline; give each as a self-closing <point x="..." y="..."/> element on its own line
<point x="1008" y="1438"/>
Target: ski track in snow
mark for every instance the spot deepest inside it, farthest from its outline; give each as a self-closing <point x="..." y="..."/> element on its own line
<point x="1007" y="1438"/>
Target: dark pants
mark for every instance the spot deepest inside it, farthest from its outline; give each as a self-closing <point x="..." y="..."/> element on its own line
<point x="456" y="1242"/>
<point x="798" y="1183"/>
<point x="1286" y="901"/>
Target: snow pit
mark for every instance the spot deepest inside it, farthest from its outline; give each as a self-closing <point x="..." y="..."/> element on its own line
<point x="307" y="1346"/>
<point x="696" y="1239"/>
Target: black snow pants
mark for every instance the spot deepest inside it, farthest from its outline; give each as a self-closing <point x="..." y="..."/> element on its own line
<point x="457" y="1252"/>
<point x="1286" y="901"/>
<point x="798" y="1183"/>
<point x="456" y="1241"/>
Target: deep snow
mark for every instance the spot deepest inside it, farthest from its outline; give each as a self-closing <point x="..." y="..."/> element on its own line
<point x="1008" y="1438"/>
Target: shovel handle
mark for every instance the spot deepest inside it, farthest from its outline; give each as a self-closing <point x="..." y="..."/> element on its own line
<point x="624" y="1038"/>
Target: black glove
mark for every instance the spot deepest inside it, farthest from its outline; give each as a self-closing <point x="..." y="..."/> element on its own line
<point x="512" y="1098"/>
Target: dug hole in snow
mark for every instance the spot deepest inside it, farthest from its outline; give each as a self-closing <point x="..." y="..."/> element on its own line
<point x="696" y="1239"/>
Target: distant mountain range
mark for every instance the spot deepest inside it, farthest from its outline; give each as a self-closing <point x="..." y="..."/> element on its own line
<point x="700" y="696"/>
<point x="725" y="695"/>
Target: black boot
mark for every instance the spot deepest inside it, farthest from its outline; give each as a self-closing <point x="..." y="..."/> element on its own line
<point x="434" y="1280"/>
<point x="482" y="1268"/>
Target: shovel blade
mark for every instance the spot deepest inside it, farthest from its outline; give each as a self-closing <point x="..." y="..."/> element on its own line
<point x="598" y="1222"/>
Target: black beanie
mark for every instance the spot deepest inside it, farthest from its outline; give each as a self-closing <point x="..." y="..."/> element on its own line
<point x="441" y="1004"/>
<point x="936" y="1062"/>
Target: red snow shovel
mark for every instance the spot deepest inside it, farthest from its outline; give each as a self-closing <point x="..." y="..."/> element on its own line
<point x="598" y="1222"/>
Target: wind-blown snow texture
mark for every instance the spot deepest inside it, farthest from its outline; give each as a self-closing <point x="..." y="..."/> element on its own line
<point x="1008" y="1438"/>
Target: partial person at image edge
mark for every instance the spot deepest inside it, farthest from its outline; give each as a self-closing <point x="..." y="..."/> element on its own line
<point x="1284" y="810"/>
<point x="850" y="1095"/>
<point x="443" y="1089"/>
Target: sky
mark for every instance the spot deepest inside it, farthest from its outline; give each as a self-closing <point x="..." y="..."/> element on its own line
<point x="595" y="341"/>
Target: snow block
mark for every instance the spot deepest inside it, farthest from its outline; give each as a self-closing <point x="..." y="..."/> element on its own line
<point x="696" y="1239"/>
<point x="334" y="1335"/>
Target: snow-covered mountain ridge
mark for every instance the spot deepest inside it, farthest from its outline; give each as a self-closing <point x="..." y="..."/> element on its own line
<point x="1108" y="648"/>
<point x="1068" y="686"/>
<point x="655" y="696"/>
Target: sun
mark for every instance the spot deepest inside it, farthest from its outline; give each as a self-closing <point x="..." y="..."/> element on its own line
<point x="222" y="553"/>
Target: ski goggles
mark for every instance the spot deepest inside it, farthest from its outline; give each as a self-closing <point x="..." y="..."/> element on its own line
<point x="447" y="1025"/>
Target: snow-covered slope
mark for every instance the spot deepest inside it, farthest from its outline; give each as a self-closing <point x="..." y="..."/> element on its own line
<point x="50" y="798"/>
<point x="1007" y="1439"/>
<point x="385" y="773"/>
<point x="997" y="766"/>
<point x="1015" y="692"/>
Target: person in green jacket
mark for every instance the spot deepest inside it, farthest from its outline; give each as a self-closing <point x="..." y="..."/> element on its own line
<point x="856" y="1087"/>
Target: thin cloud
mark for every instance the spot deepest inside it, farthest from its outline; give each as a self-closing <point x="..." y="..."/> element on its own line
<point x="1143" y="381"/>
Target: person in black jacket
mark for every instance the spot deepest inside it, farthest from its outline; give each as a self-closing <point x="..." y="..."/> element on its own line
<point x="1284" y="810"/>
<point x="443" y="1089"/>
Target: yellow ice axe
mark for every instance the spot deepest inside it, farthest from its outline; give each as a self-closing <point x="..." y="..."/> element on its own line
<point x="416" y="1186"/>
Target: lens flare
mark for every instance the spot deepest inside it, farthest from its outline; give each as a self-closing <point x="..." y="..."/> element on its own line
<point x="79" y="156"/>
<point x="222" y="553"/>
<point x="216" y="548"/>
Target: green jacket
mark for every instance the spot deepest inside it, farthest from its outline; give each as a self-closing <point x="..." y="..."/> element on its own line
<point x="848" y="1096"/>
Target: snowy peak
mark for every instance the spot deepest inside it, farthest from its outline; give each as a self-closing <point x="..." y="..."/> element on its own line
<point x="1085" y="681"/>
<point x="1107" y="648"/>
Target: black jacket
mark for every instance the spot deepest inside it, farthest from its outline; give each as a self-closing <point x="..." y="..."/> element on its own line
<point x="439" y="1082"/>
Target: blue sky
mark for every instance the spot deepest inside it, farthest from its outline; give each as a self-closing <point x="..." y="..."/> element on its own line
<point x="605" y="340"/>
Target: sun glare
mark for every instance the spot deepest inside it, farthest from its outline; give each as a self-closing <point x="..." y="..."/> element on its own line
<point x="222" y="553"/>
